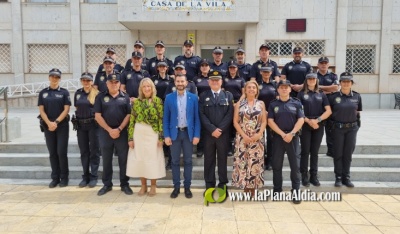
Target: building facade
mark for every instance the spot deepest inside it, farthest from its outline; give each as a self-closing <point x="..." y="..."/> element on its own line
<point x="360" y="36"/>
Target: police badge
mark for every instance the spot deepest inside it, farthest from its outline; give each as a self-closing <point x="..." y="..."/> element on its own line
<point x="226" y="80"/>
<point x="45" y="95"/>
<point x="260" y="87"/>
<point x="129" y="76"/>
<point x="101" y="78"/>
<point x="338" y="100"/>
<point x="290" y="67"/>
<point x="156" y="82"/>
<point x="198" y="80"/>
<point x="78" y="96"/>
<point x="106" y="99"/>
<point x="276" y="109"/>
<point x="305" y="96"/>
<point x="153" y="64"/>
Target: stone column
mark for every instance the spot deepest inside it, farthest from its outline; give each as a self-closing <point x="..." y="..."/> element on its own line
<point x="341" y="35"/>
<point x="250" y="42"/>
<point x="77" y="65"/>
<point x="385" y="61"/>
<point x="17" y="48"/>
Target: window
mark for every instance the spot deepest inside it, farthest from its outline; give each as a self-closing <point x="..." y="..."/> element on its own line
<point x="285" y="48"/>
<point x="47" y="1"/>
<point x="360" y="58"/>
<point x="171" y="52"/>
<point x="43" y="57"/>
<point x="5" y="58"/>
<point x="396" y="59"/>
<point x="102" y="1"/>
<point x="95" y="53"/>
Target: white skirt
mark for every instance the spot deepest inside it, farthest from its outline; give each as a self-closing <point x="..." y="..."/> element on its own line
<point x="146" y="159"/>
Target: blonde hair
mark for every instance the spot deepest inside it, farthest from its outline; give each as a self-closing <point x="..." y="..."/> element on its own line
<point x="92" y="94"/>
<point x="251" y="82"/>
<point x="153" y="88"/>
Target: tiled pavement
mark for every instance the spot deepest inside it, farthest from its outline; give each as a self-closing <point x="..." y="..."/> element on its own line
<point x="38" y="209"/>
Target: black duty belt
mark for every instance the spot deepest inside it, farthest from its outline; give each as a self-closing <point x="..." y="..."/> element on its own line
<point x="85" y="121"/>
<point x="345" y="125"/>
<point x="182" y="129"/>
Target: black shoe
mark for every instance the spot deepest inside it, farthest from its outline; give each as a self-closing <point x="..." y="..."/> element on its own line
<point x="83" y="183"/>
<point x="54" y="183"/>
<point x="296" y="199"/>
<point x="104" y="190"/>
<point x="304" y="179"/>
<point x="230" y="153"/>
<point x="329" y="154"/>
<point x="338" y="182"/>
<point x="64" y="182"/>
<point x="168" y="167"/>
<point x="127" y="190"/>
<point x="199" y="154"/>
<point x="175" y="193"/>
<point x="314" y="180"/>
<point x="347" y="182"/>
<point x="267" y="167"/>
<point x="92" y="183"/>
<point x="188" y="193"/>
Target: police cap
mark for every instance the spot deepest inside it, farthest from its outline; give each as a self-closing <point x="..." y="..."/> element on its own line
<point x="240" y="50"/>
<point x="179" y="65"/>
<point x="346" y="76"/>
<point x="266" y="69"/>
<point x="114" y="77"/>
<point x="323" y="60"/>
<point x="265" y="46"/>
<point x="218" y="50"/>
<point x="55" y="72"/>
<point x="232" y="63"/>
<point x="297" y="50"/>
<point x="188" y="43"/>
<point x="204" y="61"/>
<point x="311" y="75"/>
<point x="159" y="42"/>
<point x="284" y="82"/>
<point x="110" y="49"/>
<point x="139" y="43"/>
<point x="215" y="75"/>
<point x="86" y="76"/>
<point x="162" y="63"/>
<point x="108" y="59"/>
<point x="136" y="54"/>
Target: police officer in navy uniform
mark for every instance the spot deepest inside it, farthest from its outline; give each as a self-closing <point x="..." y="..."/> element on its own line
<point x="152" y="64"/>
<point x="54" y="103"/>
<point x="112" y="111"/>
<point x="244" y="68"/>
<point x="218" y="64"/>
<point x="286" y="117"/>
<point x="328" y="83"/>
<point x="346" y="105"/>
<point x="216" y="114"/>
<point x="267" y="94"/>
<point x="264" y="52"/>
<point x="101" y="77"/>
<point x="189" y="60"/>
<point x="130" y="78"/>
<point x="138" y="47"/>
<point x="201" y="80"/>
<point x="316" y="111"/>
<point x="111" y="53"/>
<point x="162" y="80"/>
<point x="87" y="130"/>
<point x="296" y="71"/>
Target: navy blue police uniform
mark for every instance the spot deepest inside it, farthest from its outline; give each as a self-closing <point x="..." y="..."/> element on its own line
<point x="314" y="104"/>
<point x="129" y="65"/>
<point x="255" y="68"/>
<point x="222" y="67"/>
<point x="113" y="110"/>
<point x="245" y="68"/>
<point x="216" y="112"/>
<point x="162" y="85"/>
<point x="191" y="63"/>
<point x="87" y="134"/>
<point x="285" y="115"/>
<point x="234" y="85"/>
<point x="101" y="77"/>
<point x="152" y="66"/>
<point x="201" y="83"/>
<point x="131" y="79"/>
<point x="117" y="66"/>
<point x="53" y="101"/>
<point x="346" y="122"/>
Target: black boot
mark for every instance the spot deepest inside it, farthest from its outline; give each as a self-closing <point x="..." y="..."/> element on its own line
<point x="338" y="181"/>
<point x="314" y="180"/>
<point x="346" y="181"/>
<point x="304" y="179"/>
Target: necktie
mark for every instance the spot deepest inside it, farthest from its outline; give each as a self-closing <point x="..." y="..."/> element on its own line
<point x="216" y="96"/>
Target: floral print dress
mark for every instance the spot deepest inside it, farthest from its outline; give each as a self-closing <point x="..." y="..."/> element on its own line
<point x="248" y="161"/>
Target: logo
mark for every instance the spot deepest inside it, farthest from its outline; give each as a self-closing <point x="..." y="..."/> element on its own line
<point x="259" y="66"/>
<point x="106" y="99"/>
<point x="290" y="67"/>
<point x="305" y="96"/>
<point x="45" y="95"/>
<point x="215" y="73"/>
<point x="338" y="100"/>
<point x="78" y="96"/>
<point x="292" y="108"/>
<point x="182" y="62"/>
<point x="153" y="64"/>
<point x="260" y="86"/>
<point x="208" y="196"/>
<point x="329" y="80"/>
<point x="207" y="99"/>
<point x="101" y="78"/>
<point x="59" y="95"/>
<point x="156" y="82"/>
<point x="276" y="109"/>
<point x="198" y="80"/>
<point x="129" y="76"/>
<point x="226" y="80"/>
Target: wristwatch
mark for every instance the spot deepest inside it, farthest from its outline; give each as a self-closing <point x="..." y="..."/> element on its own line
<point x="57" y="122"/>
<point x="293" y="134"/>
<point x="319" y="119"/>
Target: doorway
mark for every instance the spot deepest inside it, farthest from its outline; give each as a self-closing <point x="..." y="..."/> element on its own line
<point x="229" y="53"/>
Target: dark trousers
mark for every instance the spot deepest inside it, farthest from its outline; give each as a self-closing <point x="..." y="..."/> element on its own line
<point x="88" y="142"/>
<point x="268" y="147"/>
<point x="310" y="140"/>
<point x="292" y="150"/>
<point x="57" y="144"/>
<point x="200" y="145"/>
<point x="216" y="149"/>
<point x="107" y="145"/>
<point x="345" y="143"/>
<point x="329" y="137"/>
<point x="182" y="143"/>
<point x="167" y="152"/>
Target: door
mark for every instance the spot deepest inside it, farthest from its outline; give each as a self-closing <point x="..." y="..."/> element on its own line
<point x="229" y="53"/>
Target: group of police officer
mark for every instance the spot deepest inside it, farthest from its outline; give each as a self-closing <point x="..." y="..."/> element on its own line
<point x="278" y="90"/>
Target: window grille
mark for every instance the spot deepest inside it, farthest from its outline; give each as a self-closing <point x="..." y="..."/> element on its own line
<point x="95" y="53"/>
<point x="285" y="48"/>
<point x="43" y="57"/>
<point x="5" y="58"/>
<point x="396" y="59"/>
<point x="360" y="58"/>
<point x="102" y="1"/>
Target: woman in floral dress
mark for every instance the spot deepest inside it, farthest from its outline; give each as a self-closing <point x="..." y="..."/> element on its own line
<point x="250" y="121"/>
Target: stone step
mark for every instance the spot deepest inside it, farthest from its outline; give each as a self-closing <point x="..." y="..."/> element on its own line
<point x="361" y="187"/>
<point x="376" y="174"/>
<point x="42" y="159"/>
<point x="73" y="148"/>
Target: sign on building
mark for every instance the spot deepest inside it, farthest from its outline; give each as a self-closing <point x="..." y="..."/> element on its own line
<point x="188" y="5"/>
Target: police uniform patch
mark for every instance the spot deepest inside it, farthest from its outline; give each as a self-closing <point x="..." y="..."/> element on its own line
<point x="129" y="76"/>
<point x="329" y="80"/>
<point x="215" y="73"/>
<point x="238" y="81"/>
<point x="260" y="86"/>
<point x="78" y="96"/>
<point x="292" y="108"/>
<point x="318" y="97"/>
<point x="156" y="82"/>
<point x="226" y="80"/>
<point x="182" y="62"/>
<point x="106" y="99"/>
<point x="207" y="99"/>
<point x="198" y="80"/>
<point x="290" y="67"/>
<point x="259" y="66"/>
<point x="59" y="95"/>
<point x="276" y="109"/>
<point x="139" y="76"/>
<point x="45" y="95"/>
<point x="153" y="64"/>
<point x="174" y="89"/>
<point x="338" y="100"/>
<point x="305" y="96"/>
<point x="101" y="78"/>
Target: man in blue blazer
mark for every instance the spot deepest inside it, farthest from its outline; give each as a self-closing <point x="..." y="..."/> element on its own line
<point x="181" y="126"/>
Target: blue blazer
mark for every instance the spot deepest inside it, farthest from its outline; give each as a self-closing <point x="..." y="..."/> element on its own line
<point x="170" y="119"/>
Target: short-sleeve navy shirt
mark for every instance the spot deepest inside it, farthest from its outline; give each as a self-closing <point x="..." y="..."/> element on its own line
<point x="345" y="107"/>
<point x="267" y="93"/>
<point x="201" y="83"/>
<point x="161" y="85"/>
<point x="234" y="86"/>
<point x="101" y="80"/>
<point x="223" y="68"/>
<point x="191" y="65"/>
<point x="84" y="109"/>
<point x="328" y="79"/>
<point x="53" y="101"/>
<point x="313" y="103"/>
<point x="113" y="110"/>
<point x="296" y="72"/>
<point x="152" y="66"/>
<point x="285" y="114"/>
<point x="244" y="71"/>
<point x="131" y="79"/>
<point x="255" y="69"/>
